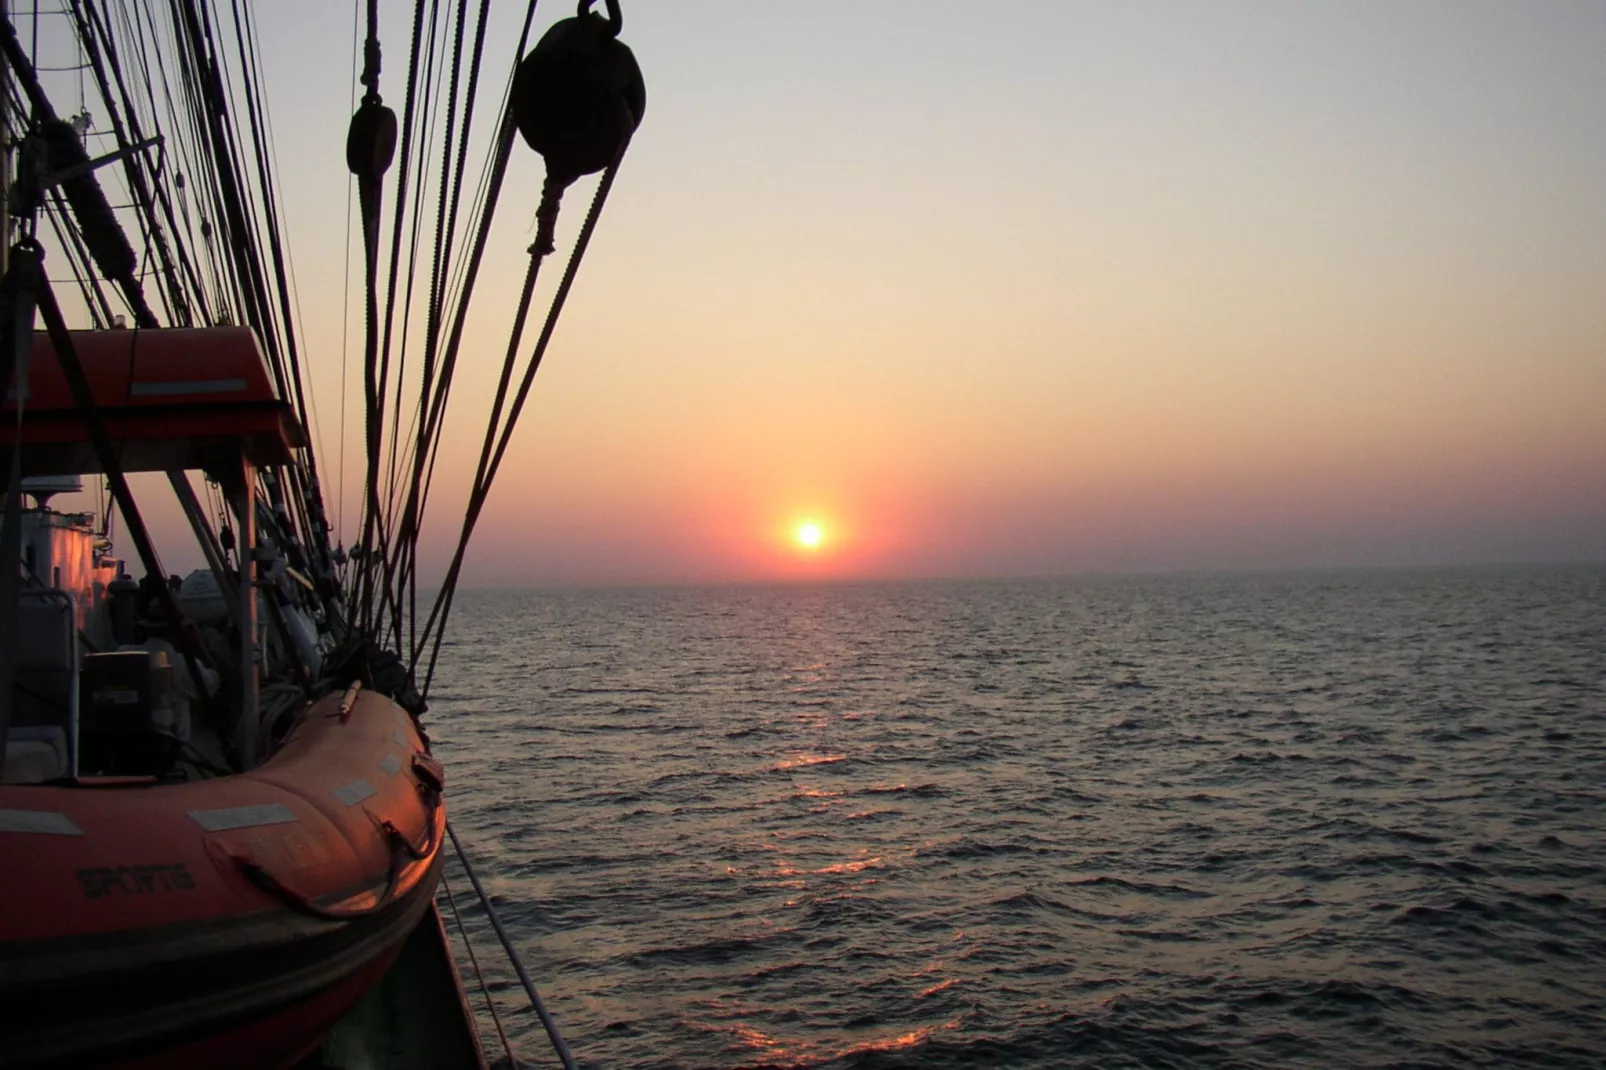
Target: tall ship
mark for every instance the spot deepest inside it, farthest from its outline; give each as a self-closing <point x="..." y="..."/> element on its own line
<point x="223" y="825"/>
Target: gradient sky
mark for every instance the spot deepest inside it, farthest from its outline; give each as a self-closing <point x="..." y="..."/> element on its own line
<point x="1038" y="288"/>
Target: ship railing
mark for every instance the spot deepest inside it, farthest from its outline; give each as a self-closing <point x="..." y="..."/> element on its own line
<point x="560" y="1047"/>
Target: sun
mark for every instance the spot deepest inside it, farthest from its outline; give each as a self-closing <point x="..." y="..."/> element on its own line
<point x="809" y="535"/>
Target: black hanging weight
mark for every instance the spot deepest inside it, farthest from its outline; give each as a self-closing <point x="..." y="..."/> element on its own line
<point x="579" y="94"/>
<point x="371" y="141"/>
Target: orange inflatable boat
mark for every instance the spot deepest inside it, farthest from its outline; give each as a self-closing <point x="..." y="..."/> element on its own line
<point x="222" y="922"/>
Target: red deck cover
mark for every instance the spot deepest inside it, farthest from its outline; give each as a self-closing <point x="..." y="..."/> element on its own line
<point x="170" y="398"/>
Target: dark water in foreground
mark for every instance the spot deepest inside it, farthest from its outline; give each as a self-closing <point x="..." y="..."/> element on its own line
<point x="1339" y="819"/>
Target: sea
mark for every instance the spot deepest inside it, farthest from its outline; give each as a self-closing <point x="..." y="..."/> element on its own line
<point x="1318" y="819"/>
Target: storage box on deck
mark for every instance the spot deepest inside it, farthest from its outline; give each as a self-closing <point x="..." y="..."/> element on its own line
<point x="122" y="732"/>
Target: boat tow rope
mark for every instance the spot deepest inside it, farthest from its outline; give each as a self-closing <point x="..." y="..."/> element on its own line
<point x="559" y="1045"/>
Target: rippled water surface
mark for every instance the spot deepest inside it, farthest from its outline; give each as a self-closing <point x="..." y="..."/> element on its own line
<point x="1278" y="820"/>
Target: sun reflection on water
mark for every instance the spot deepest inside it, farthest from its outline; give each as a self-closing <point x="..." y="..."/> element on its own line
<point x="803" y="761"/>
<point x="785" y="1054"/>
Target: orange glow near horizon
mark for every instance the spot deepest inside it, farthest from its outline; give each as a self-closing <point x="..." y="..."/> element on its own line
<point x="1372" y="340"/>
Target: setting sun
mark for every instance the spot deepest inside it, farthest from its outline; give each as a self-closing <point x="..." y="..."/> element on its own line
<point x="809" y="535"/>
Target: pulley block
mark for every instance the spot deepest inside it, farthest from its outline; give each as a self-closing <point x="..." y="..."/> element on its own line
<point x="371" y="141"/>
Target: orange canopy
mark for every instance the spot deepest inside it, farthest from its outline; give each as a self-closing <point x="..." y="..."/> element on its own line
<point x="171" y="398"/>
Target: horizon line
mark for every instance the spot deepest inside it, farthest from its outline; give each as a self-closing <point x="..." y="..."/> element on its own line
<point x="1020" y="577"/>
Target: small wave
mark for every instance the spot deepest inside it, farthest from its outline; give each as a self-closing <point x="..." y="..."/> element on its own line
<point x="707" y="953"/>
<point x="1162" y="936"/>
<point x="609" y="691"/>
<point x="919" y="791"/>
<point x="981" y="849"/>
<point x="1024" y="904"/>
<point x="804" y="761"/>
<point x="1464" y="914"/>
<point x="1177" y="891"/>
<point x="1345" y="994"/>
<point x="845" y="911"/>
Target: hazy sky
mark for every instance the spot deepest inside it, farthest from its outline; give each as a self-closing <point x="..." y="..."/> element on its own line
<point x="1032" y="288"/>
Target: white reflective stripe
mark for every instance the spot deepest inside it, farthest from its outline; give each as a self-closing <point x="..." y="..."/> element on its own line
<point x="355" y="792"/>
<point x="390" y="764"/>
<point x="39" y="822"/>
<point x="243" y="817"/>
<point x="401" y="737"/>
<point x="196" y="386"/>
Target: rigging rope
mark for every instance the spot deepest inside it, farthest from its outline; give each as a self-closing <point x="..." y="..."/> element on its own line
<point x="210" y="227"/>
<point x="369" y="146"/>
<point x="482" y="485"/>
<point x="414" y="212"/>
<point x="433" y="406"/>
<point x="379" y="568"/>
<point x="375" y="350"/>
<point x="345" y="315"/>
<point x="433" y="310"/>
